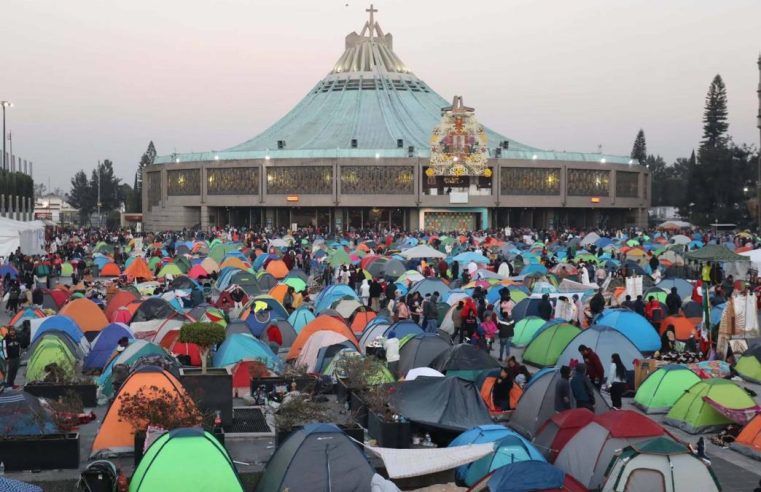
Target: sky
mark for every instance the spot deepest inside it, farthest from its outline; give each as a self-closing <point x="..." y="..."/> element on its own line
<point x="94" y="79"/>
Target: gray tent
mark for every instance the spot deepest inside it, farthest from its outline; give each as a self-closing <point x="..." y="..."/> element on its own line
<point x="605" y="341"/>
<point x="420" y="351"/>
<point x="444" y="403"/>
<point x="317" y="457"/>
<point x="537" y="403"/>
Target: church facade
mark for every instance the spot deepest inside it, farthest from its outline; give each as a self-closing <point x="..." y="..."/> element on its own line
<point x="373" y="146"/>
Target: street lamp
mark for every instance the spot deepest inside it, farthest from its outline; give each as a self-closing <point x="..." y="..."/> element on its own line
<point x="5" y="104"/>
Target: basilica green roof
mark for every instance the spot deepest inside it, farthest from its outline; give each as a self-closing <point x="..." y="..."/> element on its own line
<point x="369" y="105"/>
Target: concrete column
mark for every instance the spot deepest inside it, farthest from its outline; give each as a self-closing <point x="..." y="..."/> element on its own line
<point x="16" y="208"/>
<point x="204" y="217"/>
<point x="2" y="205"/>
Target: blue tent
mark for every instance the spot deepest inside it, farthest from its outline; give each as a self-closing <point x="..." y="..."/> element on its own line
<point x="403" y="328"/>
<point x="526" y="475"/>
<point x="477" y="435"/>
<point x="276" y="309"/>
<point x="60" y="323"/>
<point x="429" y="286"/>
<point x="300" y="318"/>
<point x="525" y="308"/>
<point x="534" y="268"/>
<point x="105" y="344"/>
<point x="634" y="326"/>
<point x="22" y="415"/>
<point x="469" y="256"/>
<point x="242" y="346"/>
<point x="509" y="449"/>
<point x="8" y="269"/>
<point x="258" y="322"/>
<point x="330" y="294"/>
<point x="135" y="350"/>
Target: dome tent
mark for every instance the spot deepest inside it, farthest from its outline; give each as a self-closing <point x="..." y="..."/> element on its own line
<point x="420" y="351"/>
<point x="636" y="328"/>
<point x="749" y="365"/>
<point x="536" y="476"/>
<point x="749" y="440"/>
<point x="185" y="459"/>
<point x="693" y="414"/>
<point x="465" y="361"/>
<point x="317" y="457"/>
<point x="587" y="455"/>
<point x="538" y="403"/>
<point x="662" y="388"/>
<point x="604" y="341"/>
<point x="549" y="343"/>
<point x="659" y="464"/>
<point x="559" y="429"/>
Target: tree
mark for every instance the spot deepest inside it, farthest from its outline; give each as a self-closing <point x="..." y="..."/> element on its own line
<point x="110" y="196"/>
<point x="81" y="196"/>
<point x="639" y="151"/>
<point x="205" y="335"/>
<point x="40" y="190"/>
<point x="146" y="160"/>
<point x="715" y="123"/>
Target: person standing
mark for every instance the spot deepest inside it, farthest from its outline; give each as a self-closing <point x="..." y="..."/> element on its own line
<point x="505" y="332"/>
<point x="364" y="292"/>
<point x="582" y="390"/>
<point x="430" y="313"/>
<point x="12" y="356"/>
<point x="457" y="320"/>
<point x="673" y="302"/>
<point x="500" y="393"/>
<point x="545" y="308"/>
<point x="375" y="292"/>
<point x="593" y="365"/>
<point x="563" y="390"/>
<point x="616" y="380"/>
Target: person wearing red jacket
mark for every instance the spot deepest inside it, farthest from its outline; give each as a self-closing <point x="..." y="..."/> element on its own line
<point x="594" y="368"/>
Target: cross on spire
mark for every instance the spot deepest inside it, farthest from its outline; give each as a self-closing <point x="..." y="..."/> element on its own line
<point x="371" y="24"/>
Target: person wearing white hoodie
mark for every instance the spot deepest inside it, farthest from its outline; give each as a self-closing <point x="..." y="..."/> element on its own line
<point x="364" y="292"/>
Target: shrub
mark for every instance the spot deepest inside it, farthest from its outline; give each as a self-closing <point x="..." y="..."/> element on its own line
<point x="205" y="335"/>
<point x="154" y="406"/>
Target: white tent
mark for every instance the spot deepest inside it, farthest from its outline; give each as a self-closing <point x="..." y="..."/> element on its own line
<point x="422" y="251"/>
<point x="755" y="258"/>
<point x="30" y="236"/>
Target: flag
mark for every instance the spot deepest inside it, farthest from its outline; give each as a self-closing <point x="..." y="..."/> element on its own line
<point x="706" y="312"/>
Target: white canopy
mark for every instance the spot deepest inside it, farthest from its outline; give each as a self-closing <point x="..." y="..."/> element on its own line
<point x="404" y="463"/>
<point x="30" y="236"/>
<point x="755" y="258"/>
<point x="422" y="251"/>
<point x="590" y="239"/>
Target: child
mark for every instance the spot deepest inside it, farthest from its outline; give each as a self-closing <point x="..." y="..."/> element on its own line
<point x="489" y="326"/>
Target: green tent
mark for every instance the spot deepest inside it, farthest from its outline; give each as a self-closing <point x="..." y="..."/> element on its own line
<point x="47" y="350"/>
<point x="340" y="257"/>
<point x="545" y="349"/>
<point x="217" y="252"/>
<point x="693" y="414"/>
<point x="182" y="263"/>
<point x="749" y="365"/>
<point x="295" y="282"/>
<point x="714" y="252"/>
<point x="525" y="330"/>
<point x="662" y="388"/>
<point x="170" y="269"/>
<point x="67" y="269"/>
<point x="186" y="459"/>
<point x="153" y="261"/>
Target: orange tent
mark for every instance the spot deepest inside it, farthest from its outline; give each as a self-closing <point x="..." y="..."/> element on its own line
<point x="234" y="262"/>
<point x="119" y="299"/>
<point x="37" y="312"/>
<point x="138" y="269"/>
<point x="86" y="314"/>
<point x="110" y="270"/>
<point x="278" y="292"/>
<point x="118" y="436"/>
<point x="360" y="320"/>
<point x="277" y="269"/>
<point x="321" y="322"/>
<point x="683" y="327"/>
<point x="486" y="388"/>
<point x="749" y="440"/>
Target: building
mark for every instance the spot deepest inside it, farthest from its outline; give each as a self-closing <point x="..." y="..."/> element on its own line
<point x="372" y="145"/>
<point x="55" y="209"/>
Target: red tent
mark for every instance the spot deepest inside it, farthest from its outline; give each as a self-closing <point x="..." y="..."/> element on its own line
<point x="559" y="429"/>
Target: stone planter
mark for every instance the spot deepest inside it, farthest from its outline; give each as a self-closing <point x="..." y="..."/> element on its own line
<point x="389" y="434"/>
<point x="50" y="452"/>
<point x="212" y="391"/>
<point x="52" y="391"/>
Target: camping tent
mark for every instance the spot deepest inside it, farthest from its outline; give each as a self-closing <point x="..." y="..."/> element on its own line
<point x="116" y="435"/>
<point x="445" y="403"/>
<point x="22" y="415"/>
<point x="243" y="346"/>
<point x="549" y="343"/>
<point x="635" y="327"/>
<point x="104" y="345"/>
<point x="465" y="361"/>
<point x="587" y="455"/>
<point x="521" y="476"/>
<point x="88" y="315"/>
<point x="525" y="330"/>
<point x="659" y="465"/>
<point x="317" y="457"/>
<point x="420" y="351"/>
<point x="538" y="403"/>
<point x="322" y="322"/>
<point x="185" y="459"/>
<point x="694" y="414"/>
<point x="749" y="440"/>
<point x="749" y="365"/>
<point x="51" y="348"/>
<point x="604" y="341"/>
<point x="662" y="388"/>
<point x="559" y="429"/>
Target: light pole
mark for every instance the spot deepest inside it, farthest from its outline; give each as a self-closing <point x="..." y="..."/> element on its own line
<point x="5" y="104"/>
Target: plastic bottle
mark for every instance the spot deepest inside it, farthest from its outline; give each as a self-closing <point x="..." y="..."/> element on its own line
<point x="2" y="467"/>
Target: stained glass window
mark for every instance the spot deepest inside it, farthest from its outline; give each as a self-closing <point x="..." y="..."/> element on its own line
<point x="627" y="184"/>
<point x="377" y="180"/>
<point x="588" y="182"/>
<point x="184" y="182"/>
<point x="153" y="185"/>
<point x="530" y="181"/>
<point x="308" y="180"/>
<point x="232" y="181"/>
